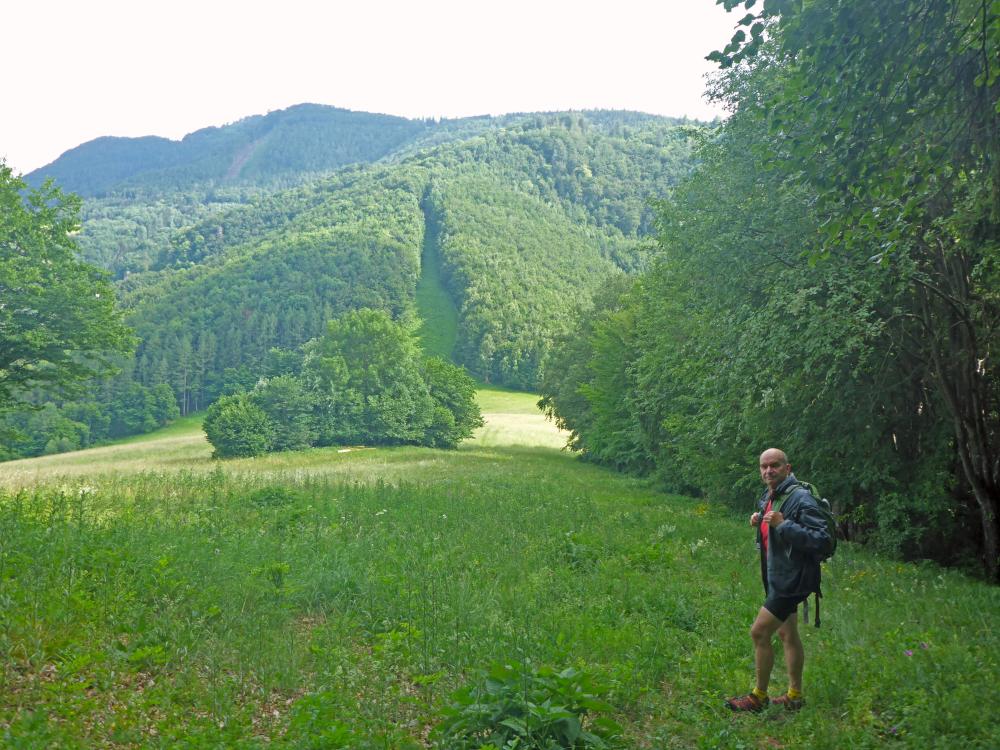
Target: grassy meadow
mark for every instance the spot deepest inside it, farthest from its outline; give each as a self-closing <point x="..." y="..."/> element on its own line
<point x="153" y="597"/>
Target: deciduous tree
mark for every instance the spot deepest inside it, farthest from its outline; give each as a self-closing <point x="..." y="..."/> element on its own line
<point x="58" y="321"/>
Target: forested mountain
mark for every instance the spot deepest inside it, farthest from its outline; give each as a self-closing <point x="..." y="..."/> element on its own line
<point x="283" y="146"/>
<point x="224" y="281"/>
<point x="289" y="142"/>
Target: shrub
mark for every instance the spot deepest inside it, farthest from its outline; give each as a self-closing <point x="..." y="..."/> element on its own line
<point x="365" y="372"/>
<point x="235" y="426"/>
<point x="530" y="709"/>
<point x="364" y="381"/>
<point x="288" y="405"/>
<point x="456" y="412"/>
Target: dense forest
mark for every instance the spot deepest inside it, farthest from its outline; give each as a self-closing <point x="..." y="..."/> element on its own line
<point x="229" y="277"/>
<point x="826" y="281"/>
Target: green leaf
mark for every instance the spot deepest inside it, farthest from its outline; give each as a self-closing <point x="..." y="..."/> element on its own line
<point x="516" y="725"/>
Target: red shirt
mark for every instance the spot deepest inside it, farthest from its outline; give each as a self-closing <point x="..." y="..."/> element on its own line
<point x="764" y="528"/>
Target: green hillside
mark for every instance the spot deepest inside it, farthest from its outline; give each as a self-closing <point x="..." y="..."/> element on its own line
<point x="360" y="248"/>
<point x="280" y="147"/>
<point x="530" y="214"/>
<point x="512" y="260"/>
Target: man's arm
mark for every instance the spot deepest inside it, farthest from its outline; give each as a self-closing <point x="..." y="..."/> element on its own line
<point x="807" y="532"/>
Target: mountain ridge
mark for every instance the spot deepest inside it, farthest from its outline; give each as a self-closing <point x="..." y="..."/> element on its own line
<point x="324" y="137"/>
<point x="301" y="139"/>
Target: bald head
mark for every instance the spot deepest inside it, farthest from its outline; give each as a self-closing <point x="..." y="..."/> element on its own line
<point x="774" y="467"/>
<point x="774" y="453"/>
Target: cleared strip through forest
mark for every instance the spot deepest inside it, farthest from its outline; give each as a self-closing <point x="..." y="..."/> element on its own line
<point x="436" y="308"/>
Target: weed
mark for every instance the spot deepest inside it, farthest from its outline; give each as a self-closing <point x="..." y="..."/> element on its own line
<point x="527" y="708"/>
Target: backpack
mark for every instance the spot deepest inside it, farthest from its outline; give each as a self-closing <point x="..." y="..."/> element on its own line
<point x="826" y="510"/>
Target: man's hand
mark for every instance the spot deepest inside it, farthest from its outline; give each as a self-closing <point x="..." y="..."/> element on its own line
<point x="755" y="520"/>
<point x="774" y="519"/>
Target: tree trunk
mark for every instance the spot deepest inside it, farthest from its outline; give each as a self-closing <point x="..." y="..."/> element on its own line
<point x="991" y="532"/>
<point x="956" y="365"/>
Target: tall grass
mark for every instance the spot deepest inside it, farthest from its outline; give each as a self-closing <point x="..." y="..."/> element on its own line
<point x="282" y="603"/>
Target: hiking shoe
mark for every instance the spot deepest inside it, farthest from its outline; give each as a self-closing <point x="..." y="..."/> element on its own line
<point x="748" y="702"/>
<point x="789" y="704"/>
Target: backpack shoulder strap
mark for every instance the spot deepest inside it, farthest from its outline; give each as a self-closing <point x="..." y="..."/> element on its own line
<point x="791" y="488"/>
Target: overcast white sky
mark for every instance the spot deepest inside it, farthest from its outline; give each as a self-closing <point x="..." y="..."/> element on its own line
<point x="79" y="69"/>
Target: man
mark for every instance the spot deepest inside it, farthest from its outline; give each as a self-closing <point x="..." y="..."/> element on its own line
<point x="791" y="533"/>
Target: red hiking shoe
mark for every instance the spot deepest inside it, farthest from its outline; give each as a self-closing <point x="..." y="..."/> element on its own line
<point x="748" y="702"/>
<point x="789" y="704"/>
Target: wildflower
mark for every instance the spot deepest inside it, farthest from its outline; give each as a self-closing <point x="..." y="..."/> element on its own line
<point x="908" y="652"/>
<point x="925" y="646"/>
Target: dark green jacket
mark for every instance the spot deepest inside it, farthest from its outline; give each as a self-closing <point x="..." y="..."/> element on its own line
<point x="792" y="566"/>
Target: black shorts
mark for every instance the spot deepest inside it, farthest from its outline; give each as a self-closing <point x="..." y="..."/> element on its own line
<point x="783" y="607"/>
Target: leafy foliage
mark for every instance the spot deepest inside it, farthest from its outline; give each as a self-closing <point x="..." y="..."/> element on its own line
<point x="456" y="415"/>
<point x="238" y="428"/>
<point x="588" y="383"/>
<point x="289" y="407"/>
<point x="58" y="321"/>
<point x="366" y="377"/>
<point x="826" y="282"/>
<point x="907" y="119"/>
<point x="520" y="706"/>
<point x="364" y="381"/>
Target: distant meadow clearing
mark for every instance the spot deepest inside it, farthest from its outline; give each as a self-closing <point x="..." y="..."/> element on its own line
<point x="512" y="420"/>
<point x="153" y="597"/>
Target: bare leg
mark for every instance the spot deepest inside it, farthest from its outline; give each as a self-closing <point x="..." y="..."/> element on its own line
<point x="795" y="655"/>
<point x="761" y="632"/>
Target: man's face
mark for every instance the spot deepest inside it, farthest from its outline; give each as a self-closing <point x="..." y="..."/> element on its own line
<point x="774" y="467"/>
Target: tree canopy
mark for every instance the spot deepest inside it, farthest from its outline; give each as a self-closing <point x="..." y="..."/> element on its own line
<point x="58" y="321"/>
<point x="826" y="282"/>
<point x="363" y="382"/>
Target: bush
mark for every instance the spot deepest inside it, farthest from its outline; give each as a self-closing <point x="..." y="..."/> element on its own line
<point x="530" y="709"/>
<point x="288" y="405"/>
<point x="456" y="412"/>
<point x="363" y="382"/>
<point x="235" y="426"/>
<point x="365" y="373"/>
